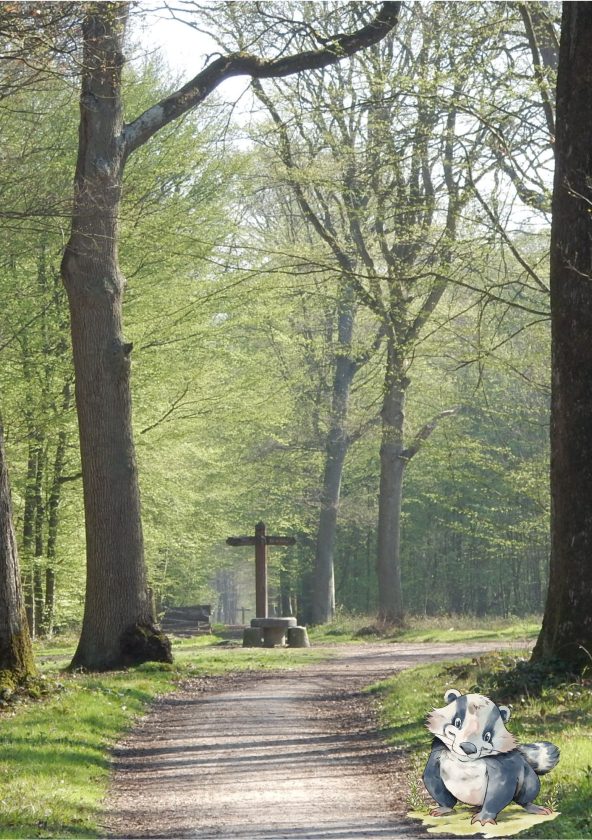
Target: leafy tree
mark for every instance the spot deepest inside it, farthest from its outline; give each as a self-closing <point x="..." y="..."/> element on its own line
<point x="163" y="250"/>
<point x="118" y="605"/>
<point x="374" y="158"/>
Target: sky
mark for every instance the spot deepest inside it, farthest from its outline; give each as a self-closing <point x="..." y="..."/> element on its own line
<point x="184" y="49"/>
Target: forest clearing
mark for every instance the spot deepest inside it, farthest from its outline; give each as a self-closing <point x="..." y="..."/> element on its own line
<point x="296" y="345"/>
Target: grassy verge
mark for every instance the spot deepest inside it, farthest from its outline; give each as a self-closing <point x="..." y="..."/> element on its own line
<point x="54" y="750"/>
<point x="450" y="628"/>
<point x="561" y="713"/>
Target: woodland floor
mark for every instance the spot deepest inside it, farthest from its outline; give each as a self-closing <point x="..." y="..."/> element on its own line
<point x="288" y="754"/>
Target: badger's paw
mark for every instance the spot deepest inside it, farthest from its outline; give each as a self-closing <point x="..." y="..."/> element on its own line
<point x="441" y="811"/>
<point x="483" y="819"/>
<point x="537" y="809"/>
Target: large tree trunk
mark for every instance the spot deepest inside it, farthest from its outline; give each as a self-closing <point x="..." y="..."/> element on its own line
<point x="16" y="655"/>
<point x="392" y="469"/>
<point x="335" y="452"/>
<point x="567" y="625"/>
<point x="118" y="622"/>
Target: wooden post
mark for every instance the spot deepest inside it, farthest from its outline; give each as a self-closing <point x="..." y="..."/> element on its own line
<point x="260" y="570"/>
<point x="261" y="540"/>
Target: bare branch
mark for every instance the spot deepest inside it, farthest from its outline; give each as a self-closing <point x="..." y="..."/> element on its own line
<point x="176" y="403"/>
<point x="545" y="56"/>
<point x="201" y="86"/>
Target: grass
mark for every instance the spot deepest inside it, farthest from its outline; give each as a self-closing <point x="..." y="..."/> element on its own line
<point x="53" y="754"/>
<point x="561" y="713"/>
<point x="451" y="628"/>
<point x="54" y="751"/>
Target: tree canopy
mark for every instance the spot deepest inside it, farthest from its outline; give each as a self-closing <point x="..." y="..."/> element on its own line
<point x="335" y="304"/>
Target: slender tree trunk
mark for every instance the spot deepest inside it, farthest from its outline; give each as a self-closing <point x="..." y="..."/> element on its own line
<point x="324" y="572"/>
<point x="567" y="625"/>
<point x="16" y="655"/>
<point x="38" y="559"/>
<point x="335" y="453"/>
<point x="29" y="530"/>
<point x="118" y="622"/>
<point x="53" y="507"/>
<point x="392" y="470"/>
<point x="286" y="599"/>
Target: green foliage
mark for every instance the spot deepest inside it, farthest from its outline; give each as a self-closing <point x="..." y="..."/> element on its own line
<point x="175" y="188"/>
<point x="232" y="303"/>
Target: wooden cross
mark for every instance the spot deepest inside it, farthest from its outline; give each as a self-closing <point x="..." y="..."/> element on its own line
<point x="261" y="540"/>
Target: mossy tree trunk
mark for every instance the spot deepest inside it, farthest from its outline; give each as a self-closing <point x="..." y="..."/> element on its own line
<point x="16" y="655"/>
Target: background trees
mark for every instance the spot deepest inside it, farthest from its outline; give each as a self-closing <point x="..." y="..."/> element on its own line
<point x="117" y="604"/>
<point x="280" y="292"/>
<point x="385" y="162"/>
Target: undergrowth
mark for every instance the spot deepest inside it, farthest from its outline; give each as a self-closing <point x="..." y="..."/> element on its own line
<point x="446" y="628"/>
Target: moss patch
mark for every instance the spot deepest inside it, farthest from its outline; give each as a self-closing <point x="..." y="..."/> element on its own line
<point x="145" y="643"/>
<point x="17" y="662"/>
<point x="512" y="820"/>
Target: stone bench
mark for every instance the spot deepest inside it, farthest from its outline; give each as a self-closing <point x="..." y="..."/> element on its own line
<point x="274" y="629"/>
<point x="272" y="632"/>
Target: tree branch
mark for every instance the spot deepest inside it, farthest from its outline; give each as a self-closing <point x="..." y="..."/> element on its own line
<point x="135" y="134"/>
<point x="544" y="56"/>
<point x="425" y="432"/>
<point x="325" y="231"/>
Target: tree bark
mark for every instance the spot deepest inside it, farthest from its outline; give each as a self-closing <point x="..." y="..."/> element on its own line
<point x="16" y="655"/>
<point x="392" y="469"/>
<point x="567" y="624"/>
<point x="117" y="606"/>
<point x="335" y="451"/>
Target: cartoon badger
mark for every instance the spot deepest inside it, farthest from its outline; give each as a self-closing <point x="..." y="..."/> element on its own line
<point x="475" y="759"/>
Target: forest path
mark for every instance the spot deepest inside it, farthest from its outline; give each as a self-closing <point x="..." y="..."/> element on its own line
<point x="288" y="754"/>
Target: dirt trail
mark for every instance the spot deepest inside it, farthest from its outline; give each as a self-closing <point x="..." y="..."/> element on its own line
<point x="285" y="755"/>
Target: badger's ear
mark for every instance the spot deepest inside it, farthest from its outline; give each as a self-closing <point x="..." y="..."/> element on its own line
<point x="505" y="713"/>
<point x="451" y="694"/>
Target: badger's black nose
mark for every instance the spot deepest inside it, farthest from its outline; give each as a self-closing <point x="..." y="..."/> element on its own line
<point x="468" y="748"/>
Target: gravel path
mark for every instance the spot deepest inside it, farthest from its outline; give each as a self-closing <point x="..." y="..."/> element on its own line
<point x="290" y="754"/>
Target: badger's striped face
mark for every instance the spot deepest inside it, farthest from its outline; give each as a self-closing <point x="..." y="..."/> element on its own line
<point x="471" y="726"/>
